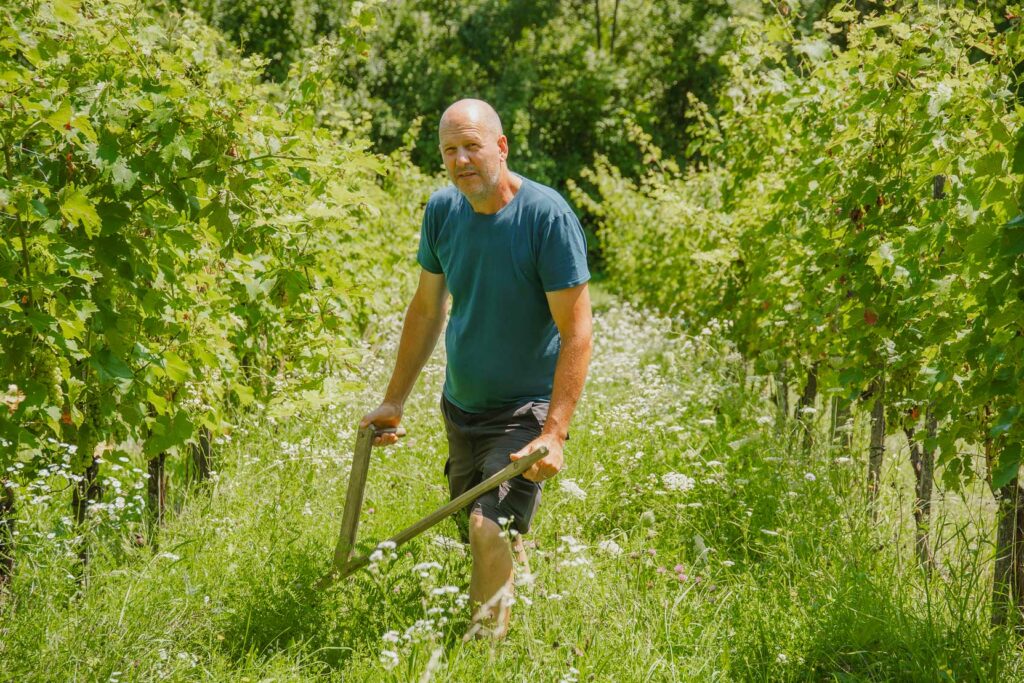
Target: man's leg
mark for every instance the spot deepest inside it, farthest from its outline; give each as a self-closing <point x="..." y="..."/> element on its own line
<point x="491" y="586"/>
<point x="460" y="469"/>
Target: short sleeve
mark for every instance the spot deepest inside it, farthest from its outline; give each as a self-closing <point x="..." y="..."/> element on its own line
<point x="562" y="256"/>
<point x="427" y="254"/>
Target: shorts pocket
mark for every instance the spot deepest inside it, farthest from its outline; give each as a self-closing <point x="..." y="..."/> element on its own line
<point x="540" y="411"/>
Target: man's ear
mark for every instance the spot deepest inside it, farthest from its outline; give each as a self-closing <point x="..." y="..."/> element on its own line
<point x="503" y="146"/>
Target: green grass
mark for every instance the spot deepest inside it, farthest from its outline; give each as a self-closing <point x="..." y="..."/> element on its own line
<point x="784" y="578"/>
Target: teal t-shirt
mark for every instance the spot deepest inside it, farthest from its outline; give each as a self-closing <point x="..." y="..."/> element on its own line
<point x="502" y="341"/>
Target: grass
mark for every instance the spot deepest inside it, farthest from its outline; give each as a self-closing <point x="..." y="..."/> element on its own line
<point x="758" y="572"/>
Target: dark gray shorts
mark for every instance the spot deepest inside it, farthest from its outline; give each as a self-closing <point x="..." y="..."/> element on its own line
<point x="479" y="444"/>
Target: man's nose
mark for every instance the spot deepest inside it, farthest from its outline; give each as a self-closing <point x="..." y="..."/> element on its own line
<point x="461" y="156"/>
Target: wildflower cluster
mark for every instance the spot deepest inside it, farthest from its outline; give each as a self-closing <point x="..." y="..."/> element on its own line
<point x="443" y="605"/>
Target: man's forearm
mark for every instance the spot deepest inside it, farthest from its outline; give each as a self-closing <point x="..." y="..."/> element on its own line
<point x="570" y="375"/>
<point x="419" y="337"/>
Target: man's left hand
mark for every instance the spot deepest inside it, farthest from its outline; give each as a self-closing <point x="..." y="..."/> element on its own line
<point x="550" y="464"/>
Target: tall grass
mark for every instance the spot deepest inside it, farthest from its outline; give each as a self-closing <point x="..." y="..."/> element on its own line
<point x="699" y="542"/>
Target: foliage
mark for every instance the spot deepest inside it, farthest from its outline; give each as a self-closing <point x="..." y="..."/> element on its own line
<point x="569" y="77"/>
<point x="566" y="77"/>
<point x="281" y="31"/>
<point x="177" y="234"/>
<point x="857" y="210"/>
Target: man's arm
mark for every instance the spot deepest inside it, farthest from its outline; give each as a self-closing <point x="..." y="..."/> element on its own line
<point x="424" y="320"/>
<point x="570" y="309"/>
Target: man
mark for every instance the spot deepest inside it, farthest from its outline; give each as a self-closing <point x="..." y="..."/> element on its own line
<point x="513" y="256"/>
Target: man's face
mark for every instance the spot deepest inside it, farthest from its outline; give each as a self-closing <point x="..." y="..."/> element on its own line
<point x="473" y="156"/>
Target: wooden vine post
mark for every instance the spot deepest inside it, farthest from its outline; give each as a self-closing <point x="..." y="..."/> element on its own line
<point x="6" y="533"/>
<point x="922" y="459"/>
<point x="805" y="408"/>
<point x="156" y="488"/>
<point x="202" y="456"/>
<point x="876" y="447"/>
<point x="1008" y="581"/>
<point x="842" y="421"/>
<point x="782" y="393"/>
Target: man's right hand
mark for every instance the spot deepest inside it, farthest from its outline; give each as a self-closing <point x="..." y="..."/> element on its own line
<point x="387" y="414"/>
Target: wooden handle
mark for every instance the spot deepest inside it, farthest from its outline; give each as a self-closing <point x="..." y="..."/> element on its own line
<point x="354" y="497"/>
<point x="513" y="469"/>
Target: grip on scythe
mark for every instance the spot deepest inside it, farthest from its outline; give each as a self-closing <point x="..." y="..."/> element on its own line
<point x="356" y="488"/>
<point x="345" y="564"/>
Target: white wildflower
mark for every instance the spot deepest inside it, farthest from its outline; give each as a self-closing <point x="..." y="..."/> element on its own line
<point x="572" y="544"/>
<point x="424" y="568"/>
<point x="809" y="476"/>
<point x="389" y="659"/>
<point x="448" y="544"/>
<point x="675" y="481"/>
<point x="609" y="546"/>
<point x="572" y="488"/>
<point x="524" y="578"/>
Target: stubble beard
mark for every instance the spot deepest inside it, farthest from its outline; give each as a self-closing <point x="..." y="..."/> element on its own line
<point x="485" y="187"/>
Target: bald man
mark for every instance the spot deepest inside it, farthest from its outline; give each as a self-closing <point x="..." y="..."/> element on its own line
<point x="512" y="254"/>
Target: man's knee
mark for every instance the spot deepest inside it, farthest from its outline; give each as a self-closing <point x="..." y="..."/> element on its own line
<point x="484" y="534"/>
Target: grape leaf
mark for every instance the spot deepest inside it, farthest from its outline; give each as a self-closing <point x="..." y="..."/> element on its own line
<point x="1007" y="467"/>
<point x="61" y="118"/>
<point x="67" y="11"/>
<point x="167" y="432"/>
<point x="109" y="366"/>
<point x="75" y="206"/>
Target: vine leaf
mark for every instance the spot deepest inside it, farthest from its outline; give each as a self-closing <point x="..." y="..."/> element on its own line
<point x="61" y="118"/>
<point x="1006" y="469"/>
<point x="67" y="11"/>
<point x="109" y="366"/>
<point x="1018" y="153"/>
<point x="167" y="432"/>
<point x="76" y="207"/>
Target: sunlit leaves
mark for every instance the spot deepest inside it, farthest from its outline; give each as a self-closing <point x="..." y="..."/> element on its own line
<point x="163" y="265"/>
<point x="868" y="196"/>
<point x="77" y="207"/>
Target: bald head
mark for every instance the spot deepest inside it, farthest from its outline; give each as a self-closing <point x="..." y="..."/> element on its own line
<point x="473" y="112"/>
<point x="474" y="151"/>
